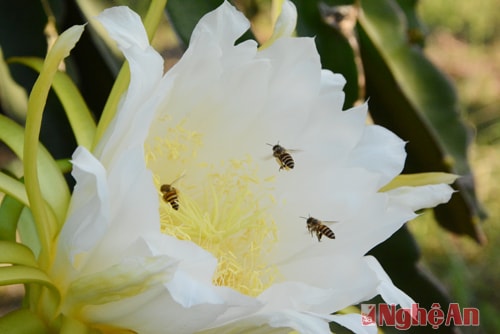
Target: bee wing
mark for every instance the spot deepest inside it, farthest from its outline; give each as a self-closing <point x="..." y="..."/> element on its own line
<point x="330" y="221"/>
<point x="267" y="157"/>
<point x="178" y="178"/>
<point x="294" y="150"/>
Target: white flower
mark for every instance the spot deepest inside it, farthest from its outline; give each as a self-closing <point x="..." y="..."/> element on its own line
<point x="236" y="255"/>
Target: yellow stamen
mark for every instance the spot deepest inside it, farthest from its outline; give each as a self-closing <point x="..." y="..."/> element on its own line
<point x="223" y="214"/>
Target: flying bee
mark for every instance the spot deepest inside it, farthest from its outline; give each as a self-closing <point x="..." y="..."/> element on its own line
<point x="283" y="157"/>
<point x="319" y="228"/>
<point x="170" y="194"/>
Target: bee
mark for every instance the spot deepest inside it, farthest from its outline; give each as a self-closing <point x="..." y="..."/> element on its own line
<point x="170" y="194"/>
<point x="317" y="226"/>
<point x="283" y="157"/>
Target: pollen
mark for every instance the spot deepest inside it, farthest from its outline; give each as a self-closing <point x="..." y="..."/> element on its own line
<point x="223" y="211"/>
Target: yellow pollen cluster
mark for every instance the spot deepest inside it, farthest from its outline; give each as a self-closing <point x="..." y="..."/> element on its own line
<point x="222" y="212"/>
<point x="179" y="145"/>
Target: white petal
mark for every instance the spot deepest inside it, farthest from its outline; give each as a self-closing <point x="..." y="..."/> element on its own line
<point x="154" y="311"/>
<point x="380" y="151"/>
<point x="331" y="94"/>
<point x="416" y="198"/>
<point x="247" y="327"/>
<point x="89" y="215"/>
<point x="345" y="195"/>
<point x="279" y="321"/>
<point x="329" y="285"/>
<point x="193" y="259"/>
<point x="125" y="279"/>
<point x="331" y="82"/>
<point x="121" y="153"/>
<point x="104" y="217"/>
<point x="376" y="231"/>
<point x="133" y="209"/>
<point x="389" y="292"/>
<point x="223" y="26"/>
<point x="188" y="292"/>
<point x="136" y="292"/>
<point x="132" y="295"/>
<point x="299" y="296"/>
<point x="296" y="71"/>
<point x="285" y="23"/>
<point x="303" y="323"/>
<point x="124" y="26"/>
<point x="137" y="108"/>
<point x="287" y="20"/>
<point x="332" y="134"/>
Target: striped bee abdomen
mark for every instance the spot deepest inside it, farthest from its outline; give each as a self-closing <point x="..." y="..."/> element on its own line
<point x="170" y="196"/>
<point x="283" y="157"/>
<point x="316" y="226"/>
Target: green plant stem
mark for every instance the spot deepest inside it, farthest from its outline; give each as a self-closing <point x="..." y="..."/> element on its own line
<point x="45" y="222"/>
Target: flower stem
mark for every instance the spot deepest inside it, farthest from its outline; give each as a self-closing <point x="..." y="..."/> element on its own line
<point x="36" y="104"/>
<point x="46" y="227"/>
<point x="153" y="17"/>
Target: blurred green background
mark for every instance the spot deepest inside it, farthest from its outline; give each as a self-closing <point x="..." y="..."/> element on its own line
<point x="464" y="41"/>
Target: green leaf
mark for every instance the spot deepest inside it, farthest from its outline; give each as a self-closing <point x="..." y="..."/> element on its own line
<point x="54" y="188"/>
<point x="79" y="115"/>
<point x="39" y="287"/>
<point x="13" y="97"/>
<point x="73" y="326"/>
<point x="410" y="96"/>
<point x="65" y="165"/>
<point x="153" y="17"/>
<point x="15" y="253"/>
<point x="415" y="30"/>
<point x="335" y="51"/>
<point x="10" y="212"/>
<point x="19" y="274"/>
<point x="47" y="228"/>
<point x="14" y="188"/>
<point x="22" y="321"/>
<point x="399" y="256"/>
<point x="27" y="231"/>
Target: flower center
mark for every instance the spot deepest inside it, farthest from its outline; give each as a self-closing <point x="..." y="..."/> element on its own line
<point x="219" y="207"/>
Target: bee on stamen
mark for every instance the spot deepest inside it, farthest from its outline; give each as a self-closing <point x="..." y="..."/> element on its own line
<point x="170" y="193"/>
